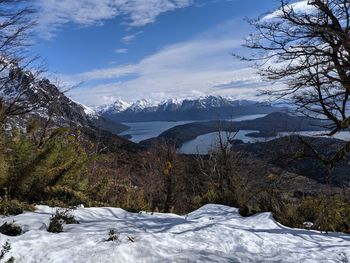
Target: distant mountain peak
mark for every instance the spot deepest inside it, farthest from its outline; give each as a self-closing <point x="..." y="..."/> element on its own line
<point x="117" y="107"/>
<point x="172" y="101"/>
<point x="141" y="105"/>
<point x="207" y="107"/>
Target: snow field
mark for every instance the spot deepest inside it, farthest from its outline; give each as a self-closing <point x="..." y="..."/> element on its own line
<point x="213" y="233"/>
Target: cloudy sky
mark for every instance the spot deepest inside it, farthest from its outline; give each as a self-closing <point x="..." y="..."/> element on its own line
<point x="153" y="49"/>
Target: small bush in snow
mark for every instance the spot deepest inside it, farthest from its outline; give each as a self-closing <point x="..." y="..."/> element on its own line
<point x="343" y="258"/>
<point x="6" y="249"/>
<point x="10" y="229"/>
<point x="66" y="216"/>
<point x="56" y="225"/>
<point x="62" y="216"/>
<point x="10" y="260"/>
<point x="112" y="235"/>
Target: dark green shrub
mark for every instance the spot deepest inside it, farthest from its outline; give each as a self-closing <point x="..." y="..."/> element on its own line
<point x="62" y="216"/>
<point x="34" y="166"/>
<point x="66" y="216"/>
<point x="56" y="225"/>
<point x="63" y="196"/>
<point x="326" y="213"/>
<point x="10" y="229"/>
<point x="112" y="235"/>
<point x="14" y="207"/>
<point x="244" y="211"/>
<point x="289" y="216"/>
<point x="310" y="209"/>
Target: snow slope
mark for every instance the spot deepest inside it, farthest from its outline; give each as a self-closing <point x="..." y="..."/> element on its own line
<point x="213" y="233"/>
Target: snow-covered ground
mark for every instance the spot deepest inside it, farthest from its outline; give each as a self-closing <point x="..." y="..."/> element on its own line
<point x="214" y="233"/>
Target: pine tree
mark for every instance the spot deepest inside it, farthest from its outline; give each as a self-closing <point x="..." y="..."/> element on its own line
<point x="58" y="160"/>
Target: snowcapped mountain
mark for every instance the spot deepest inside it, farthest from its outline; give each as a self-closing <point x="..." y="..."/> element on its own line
<point x="116" y="107"/>
<point x="141" y="105"/>
<point x="170" y="104"/>
<point x="34" y="97"/>
<point x="203" y="108"/>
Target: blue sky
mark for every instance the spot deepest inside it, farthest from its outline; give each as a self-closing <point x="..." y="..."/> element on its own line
<point x="153" y="49"/>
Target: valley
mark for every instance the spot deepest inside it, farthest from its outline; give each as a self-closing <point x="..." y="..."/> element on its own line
<point x="271" y="125"/>
<point x="174" y="131"/>
<point x="140" y="131"/>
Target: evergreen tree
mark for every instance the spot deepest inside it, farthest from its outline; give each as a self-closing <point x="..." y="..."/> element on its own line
<point x="36" y="165"/>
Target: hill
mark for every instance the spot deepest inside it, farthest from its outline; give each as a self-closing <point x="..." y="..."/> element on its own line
<point x="283" y="153"/>
<point x="271" y="124"/>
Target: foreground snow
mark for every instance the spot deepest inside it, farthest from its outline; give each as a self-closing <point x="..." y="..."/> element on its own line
<point x="213" y="233"/>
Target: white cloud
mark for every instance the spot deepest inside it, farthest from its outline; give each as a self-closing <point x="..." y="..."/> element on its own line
<point x="55" y="14"/>
<point x="121" y="50"/>
<point x="141" y="12"/>
<point x="200" y="66"/>
<point x="129" y="38"/>
<point x="298" y="7"/>
<point x="101" y="74"/>
<point x="197" y="67"/>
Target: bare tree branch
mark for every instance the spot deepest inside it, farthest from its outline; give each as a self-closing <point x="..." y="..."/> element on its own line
<point x="308" y="51"/>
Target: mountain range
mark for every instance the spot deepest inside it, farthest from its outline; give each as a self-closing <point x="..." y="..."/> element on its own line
<point x="47" y="102"/>
<point x="202" y="108"/>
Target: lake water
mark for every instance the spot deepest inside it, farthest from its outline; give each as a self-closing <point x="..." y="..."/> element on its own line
<point x="247" y="117"/>
<point x="140" y="131"/>
<point x="204" y="143"/>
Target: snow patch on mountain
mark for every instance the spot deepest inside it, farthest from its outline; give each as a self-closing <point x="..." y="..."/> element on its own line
<point x="172" y="105"/>
<point x="141" y="105"/>
<point x="87" y="110"/>
<point x="117" y="107"/>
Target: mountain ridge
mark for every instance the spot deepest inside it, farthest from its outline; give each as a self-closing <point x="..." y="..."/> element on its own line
<point x="39" y="98"/>
<point x="202" y="108"/>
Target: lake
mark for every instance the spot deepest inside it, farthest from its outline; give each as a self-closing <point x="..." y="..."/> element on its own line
<point x="140" y="131"/>
<point x="204" y="143"/>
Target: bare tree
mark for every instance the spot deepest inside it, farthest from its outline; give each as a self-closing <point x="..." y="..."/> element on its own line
<point x="308" y="50"/>
<point x="16" y="22"/>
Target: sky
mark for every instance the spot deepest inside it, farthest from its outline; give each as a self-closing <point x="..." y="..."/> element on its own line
<point x="148" y="49"/>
